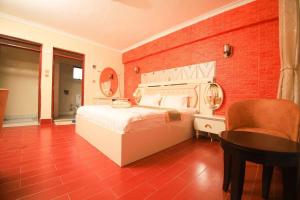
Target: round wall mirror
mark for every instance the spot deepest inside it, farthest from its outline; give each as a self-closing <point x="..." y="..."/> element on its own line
<point x="108" y="82"/>
<point x="213" y="96"/>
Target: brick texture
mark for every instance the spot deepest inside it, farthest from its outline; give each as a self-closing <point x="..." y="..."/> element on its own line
<point x="252" y="71"/>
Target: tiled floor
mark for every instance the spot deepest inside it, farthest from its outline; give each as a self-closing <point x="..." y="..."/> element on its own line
<point x="52" y="162"/>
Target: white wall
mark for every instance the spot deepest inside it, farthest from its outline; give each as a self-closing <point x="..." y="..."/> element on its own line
<point x="49" y="38"/>
<point x="19" y="74"/>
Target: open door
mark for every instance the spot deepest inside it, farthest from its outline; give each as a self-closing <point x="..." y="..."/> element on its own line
<point x="67" y="87"/>
<point x="20" y="73"/>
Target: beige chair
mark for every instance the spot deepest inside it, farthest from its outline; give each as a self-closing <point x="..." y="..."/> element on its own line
<point x="280" y="118"/>
<point x="275" y="117"/>
<point x="3" y="101"/>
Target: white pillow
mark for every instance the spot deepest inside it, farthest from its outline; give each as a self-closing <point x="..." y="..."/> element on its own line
<point x="178" y="101"/>
<point x="150" y="100"/>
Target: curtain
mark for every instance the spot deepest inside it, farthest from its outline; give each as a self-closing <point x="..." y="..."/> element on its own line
<point x="289" y="33"/>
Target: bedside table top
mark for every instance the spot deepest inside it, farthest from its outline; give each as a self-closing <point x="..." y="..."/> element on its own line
<point x="213" y="117"/>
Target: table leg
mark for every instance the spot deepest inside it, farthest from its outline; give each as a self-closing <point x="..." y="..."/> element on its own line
<point x="210" y="136"/>
<point x="227" y="171"/>
<point x="197" y="134"/>
<point x="289" y="179"/>
<point x="237" y="176"/>
<point x="298" y="179"/>
<point x="266" y="180"/>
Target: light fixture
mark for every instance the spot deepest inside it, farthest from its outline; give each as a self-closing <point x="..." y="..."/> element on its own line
<point x="136" y="69"/>
<point x="227" y="50"/>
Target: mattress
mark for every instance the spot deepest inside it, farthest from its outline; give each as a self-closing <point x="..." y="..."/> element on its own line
<point x="123" y="120"/>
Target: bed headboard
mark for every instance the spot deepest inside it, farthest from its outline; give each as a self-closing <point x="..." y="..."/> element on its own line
<point x="188" y="80"/>
<point x="201" y="72"/>
<point x="190" y="90"/>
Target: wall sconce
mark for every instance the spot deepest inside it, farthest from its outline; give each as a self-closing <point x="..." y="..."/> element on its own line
<point x="227" y="50"/>
<point x="136" y="69"/>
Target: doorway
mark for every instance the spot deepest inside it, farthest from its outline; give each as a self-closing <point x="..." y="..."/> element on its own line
<point x="20" y="63"/>
<point x="67" y="92"/>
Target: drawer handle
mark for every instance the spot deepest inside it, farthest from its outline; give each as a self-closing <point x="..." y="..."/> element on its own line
<point x="208" y="126"/>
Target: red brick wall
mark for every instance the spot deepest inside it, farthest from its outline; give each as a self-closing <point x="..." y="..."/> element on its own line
<point x="252" y="71"/>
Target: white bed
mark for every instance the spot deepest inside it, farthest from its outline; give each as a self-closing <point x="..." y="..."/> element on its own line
<point x="136" y="118"/>
<point x="129" y="134"/>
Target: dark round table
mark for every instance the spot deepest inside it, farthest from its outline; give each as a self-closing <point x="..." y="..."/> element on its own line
<point x="270" y="151"/>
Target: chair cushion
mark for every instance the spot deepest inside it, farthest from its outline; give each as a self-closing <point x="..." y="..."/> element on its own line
<point x="264" y="131"/>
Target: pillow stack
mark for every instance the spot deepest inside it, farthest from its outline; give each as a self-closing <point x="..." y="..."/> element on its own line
<point x="150" y="100"/>
<point x="172" y="101"/>
<point x="169" y="101"/>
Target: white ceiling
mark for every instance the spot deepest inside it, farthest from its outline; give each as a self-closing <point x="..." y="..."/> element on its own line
<point x="119" y="24"/>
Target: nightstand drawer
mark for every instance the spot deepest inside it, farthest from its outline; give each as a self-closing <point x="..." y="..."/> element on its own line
<point x="209" y="125"/>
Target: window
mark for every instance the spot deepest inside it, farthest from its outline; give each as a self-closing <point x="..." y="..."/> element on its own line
<point x="77" y="73"/>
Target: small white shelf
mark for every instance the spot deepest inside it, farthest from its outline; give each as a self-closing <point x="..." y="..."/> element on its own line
<point x="209" y="123"/>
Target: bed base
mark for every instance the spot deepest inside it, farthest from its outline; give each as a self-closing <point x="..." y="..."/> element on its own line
<point x="129" y="147"/>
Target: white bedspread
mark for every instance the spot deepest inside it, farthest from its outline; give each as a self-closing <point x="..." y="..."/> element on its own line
<point x="119" y="119"/>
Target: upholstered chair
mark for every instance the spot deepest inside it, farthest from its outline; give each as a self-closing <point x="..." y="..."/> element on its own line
<point x="3" y="100"/>
<point x="274" y="117"/>
<point x="268" y="116"/>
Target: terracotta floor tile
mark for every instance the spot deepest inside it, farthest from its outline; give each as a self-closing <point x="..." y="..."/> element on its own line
<point x="4" y="178"/>
<point x="53" y="162"/>
<point x="121" y="176"/>
<point x="192" y="172"/>
<point x="38" y="178"/>
<point x="38" y="171"/>
<point x="167" y="175"/>
<point x="169" y="190"/>
<point x="126" y="186"/>
<point x="140" y="192"/>
<point x="88" y="190"/>
<point x="63" y="197"/>
<point x="9" y="186"/>
<point x="105" y="195"/>
<point x="62" y="189"/>
<point x="25" y="191"/>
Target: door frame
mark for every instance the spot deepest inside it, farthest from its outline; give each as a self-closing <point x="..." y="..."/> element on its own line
<point x="19" y="43"/>
<point x="58" y="52"/>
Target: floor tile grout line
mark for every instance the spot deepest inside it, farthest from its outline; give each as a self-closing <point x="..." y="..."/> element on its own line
<point x="131" y="189"/>
<point x="26" y="196"/>
<point x="61" y="181"/>
<point x="20" y="172"/>
<point x="69" y="197"/>
<point x="168" y="168"/>
<point x="32" y="185"/>
<point x="46" y="190"/>
<point x="113" y="193"/>
<point x="189" y="183"/>
<point x="59" y="196"/>
<point x="155" y="190"/>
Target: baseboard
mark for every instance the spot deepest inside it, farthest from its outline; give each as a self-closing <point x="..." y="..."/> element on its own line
<point x="11" y="117"/>
<point x="66" y="113"/>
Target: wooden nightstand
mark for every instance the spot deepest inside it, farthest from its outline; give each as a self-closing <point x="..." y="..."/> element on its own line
<point x="209" y="123"/>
